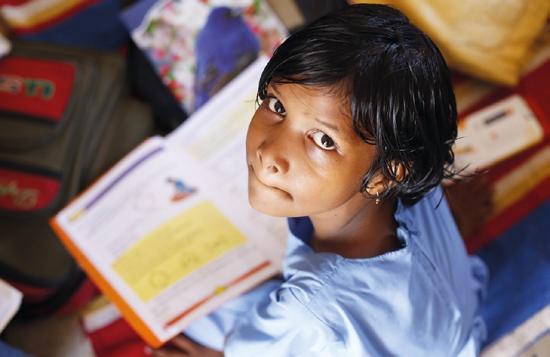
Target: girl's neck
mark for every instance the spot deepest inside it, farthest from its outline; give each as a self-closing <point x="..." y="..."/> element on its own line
<point x="361" y="229"/>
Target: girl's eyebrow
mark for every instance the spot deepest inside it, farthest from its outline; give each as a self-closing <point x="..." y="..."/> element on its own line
<point x="274" y="88"/>
<point x="328" y="125"/>
<point x="333" y="127"/>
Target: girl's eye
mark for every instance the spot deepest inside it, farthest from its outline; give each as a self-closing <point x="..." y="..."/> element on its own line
<point x="324" y="141"/>
<point x="275" y="105"/>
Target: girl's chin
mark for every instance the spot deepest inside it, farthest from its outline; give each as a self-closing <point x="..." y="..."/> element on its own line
<point x="271" y="203"/>
<point x="269" y="208"/>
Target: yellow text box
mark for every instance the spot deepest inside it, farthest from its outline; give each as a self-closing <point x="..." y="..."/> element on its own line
<point x="176" y="249"/>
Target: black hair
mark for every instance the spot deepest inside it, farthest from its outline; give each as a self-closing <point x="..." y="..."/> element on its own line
<point x="397" y="85"/>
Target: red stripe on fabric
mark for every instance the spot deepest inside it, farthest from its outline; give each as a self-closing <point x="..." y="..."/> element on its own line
<point x="21" y="191"/>
<point x="134" y="348"/>
<point x="504" y="168"/>
<point x="457" y="78"/>
<point x="513" y="214"/>
<point x="41" y="88"/>
<point x="13" y="2"/>
<point x="116" y="339"/>
<point x="533" y="86"/>
<point x="31" y="293"/>
<point x="80" y="298"/>
<point x="113" y="338"/>
<point x="40" y="26"/>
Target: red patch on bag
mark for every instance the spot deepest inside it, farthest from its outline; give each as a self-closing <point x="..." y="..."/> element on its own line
<point x="40" y="88"/>
<point x="31" y="293"/>
<point x="21" y="191"/>
<point x="13" y="2"/>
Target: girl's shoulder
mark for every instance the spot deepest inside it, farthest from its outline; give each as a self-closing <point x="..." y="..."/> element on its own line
<point x="322" y="277"/>
<point x="331" y="291"/>
<point x="426" y="266"/>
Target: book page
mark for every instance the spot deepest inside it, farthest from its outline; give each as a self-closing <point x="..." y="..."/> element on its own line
<point x="215" y="139"/>
<point x="169" y="227"/>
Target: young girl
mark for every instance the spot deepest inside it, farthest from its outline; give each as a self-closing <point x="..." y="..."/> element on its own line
<point x="352" y="139"/>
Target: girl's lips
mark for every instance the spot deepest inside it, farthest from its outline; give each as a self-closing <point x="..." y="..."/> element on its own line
<point x="269" y="187"/>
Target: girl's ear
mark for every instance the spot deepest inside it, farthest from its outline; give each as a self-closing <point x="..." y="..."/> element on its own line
<point x="379" y="184"/>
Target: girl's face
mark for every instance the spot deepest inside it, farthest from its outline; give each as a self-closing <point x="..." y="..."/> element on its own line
<point x="303" y="155"/>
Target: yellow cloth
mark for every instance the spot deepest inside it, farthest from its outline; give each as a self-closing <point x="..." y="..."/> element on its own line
<point x="489" y="39"/>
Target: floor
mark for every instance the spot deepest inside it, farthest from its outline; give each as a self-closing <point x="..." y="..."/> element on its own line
<point x="56" y="336"/>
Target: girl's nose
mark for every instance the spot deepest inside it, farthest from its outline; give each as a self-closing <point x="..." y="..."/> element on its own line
<point x="272" y="160"/>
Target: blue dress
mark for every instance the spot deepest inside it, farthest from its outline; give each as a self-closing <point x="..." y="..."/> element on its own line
<point x="420" y="300"/>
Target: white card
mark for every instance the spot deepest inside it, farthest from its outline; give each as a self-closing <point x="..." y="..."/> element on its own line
<point x="495" y="133"/>
<point x="10" y="300"/>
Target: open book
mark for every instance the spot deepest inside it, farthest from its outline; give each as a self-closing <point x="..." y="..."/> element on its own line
<point x="167" y="234"/>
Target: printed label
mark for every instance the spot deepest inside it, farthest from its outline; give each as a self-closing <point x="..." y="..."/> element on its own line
<point x="41" y="88"/>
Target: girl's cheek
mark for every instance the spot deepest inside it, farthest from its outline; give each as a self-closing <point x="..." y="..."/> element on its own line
<point x="324" y="163"/>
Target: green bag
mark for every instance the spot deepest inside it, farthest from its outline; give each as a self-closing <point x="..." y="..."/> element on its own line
<point x="65" y="117"/>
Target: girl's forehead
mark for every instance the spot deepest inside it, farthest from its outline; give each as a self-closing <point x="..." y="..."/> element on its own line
<point x="339" y="89"/>
<point x="318" y="98"/>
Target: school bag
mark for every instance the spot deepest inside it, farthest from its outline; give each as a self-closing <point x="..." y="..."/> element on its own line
<point x="65" y="117"/>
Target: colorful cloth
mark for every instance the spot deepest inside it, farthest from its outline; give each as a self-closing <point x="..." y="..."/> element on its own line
<point x="197" y="46"/>
<point x="79" y="23"/>
<point x="519" y="265"/>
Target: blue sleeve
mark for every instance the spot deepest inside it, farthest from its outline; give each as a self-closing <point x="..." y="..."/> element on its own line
<point x="281" y="325"/>
<point x="211" y="330"/>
